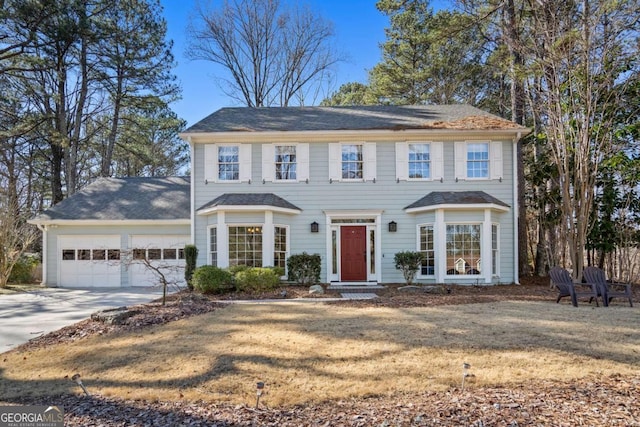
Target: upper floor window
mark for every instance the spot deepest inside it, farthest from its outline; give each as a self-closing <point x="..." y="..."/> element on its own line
<point x="419" y="161"/>
<point x="352" y="161"/>
<point x="285" y="162"/>
<point x="228" y="163"/>
<point x="478" y="160"/>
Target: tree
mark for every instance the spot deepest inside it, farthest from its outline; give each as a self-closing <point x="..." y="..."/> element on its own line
<point x="429" y="58"/>
<point x="349" y="94"/>
<point x="16" y="236"/>
<point x="275" y="56"/>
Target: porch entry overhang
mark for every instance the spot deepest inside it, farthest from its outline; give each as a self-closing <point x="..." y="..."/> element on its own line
<point x="353" y="246"/>
<point x="442" y="203"/>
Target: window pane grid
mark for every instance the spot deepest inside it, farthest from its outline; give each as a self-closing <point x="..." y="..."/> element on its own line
<point x="427" y="268"/>
<point x="245" y="246"/>
<point x="228" y="163"/>
<point x="463" y="249"/>
<point x="213" y="246"/>
<point x="478" y="160"/>
<point x="286" y="164"/>
<point x="352" y="162"/>
<point x="419" y="161"/>
<point x="280" y="247"/>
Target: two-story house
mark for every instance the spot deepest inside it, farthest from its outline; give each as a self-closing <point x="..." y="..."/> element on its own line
<point x="353" y="184"/>
<point x="357" y="185"/>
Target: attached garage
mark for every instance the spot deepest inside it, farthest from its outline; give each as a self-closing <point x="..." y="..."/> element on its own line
<point x="164" y="252"/>
<point x="89" y="261"/>
<point x="101" y="236"/>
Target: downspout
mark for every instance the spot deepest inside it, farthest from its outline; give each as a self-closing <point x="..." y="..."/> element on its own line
<point x="516" y="264"/>
<point x="43" y="228"/>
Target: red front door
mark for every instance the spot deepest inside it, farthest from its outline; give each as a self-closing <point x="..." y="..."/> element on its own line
<point x="353" y="253"/>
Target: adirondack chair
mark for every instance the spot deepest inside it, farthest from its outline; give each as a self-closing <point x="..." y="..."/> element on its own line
<point x="608" y="290"/>
<point x="562" y="280"/>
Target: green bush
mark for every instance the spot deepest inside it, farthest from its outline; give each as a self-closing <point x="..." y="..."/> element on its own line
<point x="278" y="270"/>
<point x="22" y="271"/>
<point x="257" y="279"/>
<point x="235" y="269"/>
<point x="304" y="268"/>
<point x="190" y="255"/>
<point x="409" y="262"/>
<point x="212" y="280"/>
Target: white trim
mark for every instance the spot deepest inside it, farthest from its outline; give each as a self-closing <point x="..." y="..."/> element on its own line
<point x="247" y="208"/>
<point x="486" y="250"/>
<point x="375" y="215"/>
<point x="223" y="241"/>
<point x="268" y="239"/>
<point x="516" y="208"/>
<point x="192" y="195"/>
<point x="327" y="135"/>
<point x="85" y="222"/>
<point x="495" y="160"/>
<point x="453" y="206"/>
<point x="418" y="249"/>
<point x="440" y="245"/>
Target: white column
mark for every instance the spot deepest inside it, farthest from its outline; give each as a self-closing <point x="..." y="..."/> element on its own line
<point x="485" y="250"/>
<point x="440" y="242"/>
<point x="268" y="239"/>
<point x="223" y="241"/>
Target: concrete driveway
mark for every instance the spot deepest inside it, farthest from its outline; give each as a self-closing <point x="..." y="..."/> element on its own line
<point x="27" y="315"/>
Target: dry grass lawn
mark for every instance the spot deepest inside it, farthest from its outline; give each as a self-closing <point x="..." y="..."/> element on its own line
<point x="311" y="352"/>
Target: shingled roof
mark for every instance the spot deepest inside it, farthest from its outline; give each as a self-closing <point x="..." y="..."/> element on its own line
<point x="388" y="117"/>
<point x="113" y="199"/>
<point x="249" y="199"/>
<point x="436" y="198"/>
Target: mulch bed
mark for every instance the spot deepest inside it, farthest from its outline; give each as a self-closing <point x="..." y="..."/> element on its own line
<point x="610" y="401"/>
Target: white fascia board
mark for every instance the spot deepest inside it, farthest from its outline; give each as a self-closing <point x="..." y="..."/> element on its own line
<point x="480" y="206"/>
<point x="83" y="222"/>
<point x="249" y="208"/>
<point x="270" y="136"/>
<point x="353" y="213"/>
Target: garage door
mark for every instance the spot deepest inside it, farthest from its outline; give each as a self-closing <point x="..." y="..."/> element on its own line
<point x="89" y="261"/>
<point x="164" y="253"/>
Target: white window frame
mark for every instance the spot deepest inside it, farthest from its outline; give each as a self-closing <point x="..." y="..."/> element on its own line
<point x="287" y="243"/>
<point x="436" y="160"/>
<point x="369" y="161"/>
<point x="474" y="262"/>
<point x="210" y="242"/>
<point x="495" y="249"/>
<point x="269" y="162"/>
<point x="262" y="241"/>
<point x="211" y="163"/>
<point x="432" y="250"/>
<point x="494" y="161"/>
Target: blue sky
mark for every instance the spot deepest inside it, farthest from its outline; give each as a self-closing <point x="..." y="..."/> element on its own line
<point x="359" y="29"/>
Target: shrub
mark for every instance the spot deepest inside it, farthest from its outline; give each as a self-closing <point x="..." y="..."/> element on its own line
<point x="235" y="269"/>
<point x="257" y="279"/>
<point x="190" y="255"/>
<point x="304" y="268"/>
<point x="279" y="271"/>
<point x="22" y="271"/>
<point x="409" y="262"/>
<point x="212" y="280"/>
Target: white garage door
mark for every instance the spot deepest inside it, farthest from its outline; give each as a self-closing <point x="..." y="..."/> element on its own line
<point x="165" y="253"/>
<point x="89" y="261"/>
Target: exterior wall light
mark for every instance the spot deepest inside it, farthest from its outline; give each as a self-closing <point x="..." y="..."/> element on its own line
<point x="315" y="227"/>
<point x="393" y="227"/>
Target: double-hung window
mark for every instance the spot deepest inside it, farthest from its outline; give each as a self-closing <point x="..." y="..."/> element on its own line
<point x="419" y="161"/>
<point x="229" y="163"/>
<point x="352" y="161"/>
<point x="427" y="267"/>
<point x="478" y="160"/>
<point x="285" y="162"/>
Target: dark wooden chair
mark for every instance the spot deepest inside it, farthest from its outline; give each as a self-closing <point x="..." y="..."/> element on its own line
<point x="562" y="280"/>
<point x="609" y="290"/>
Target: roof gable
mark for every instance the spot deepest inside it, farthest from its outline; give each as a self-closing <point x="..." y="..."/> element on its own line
<point x="455" y="198"/>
